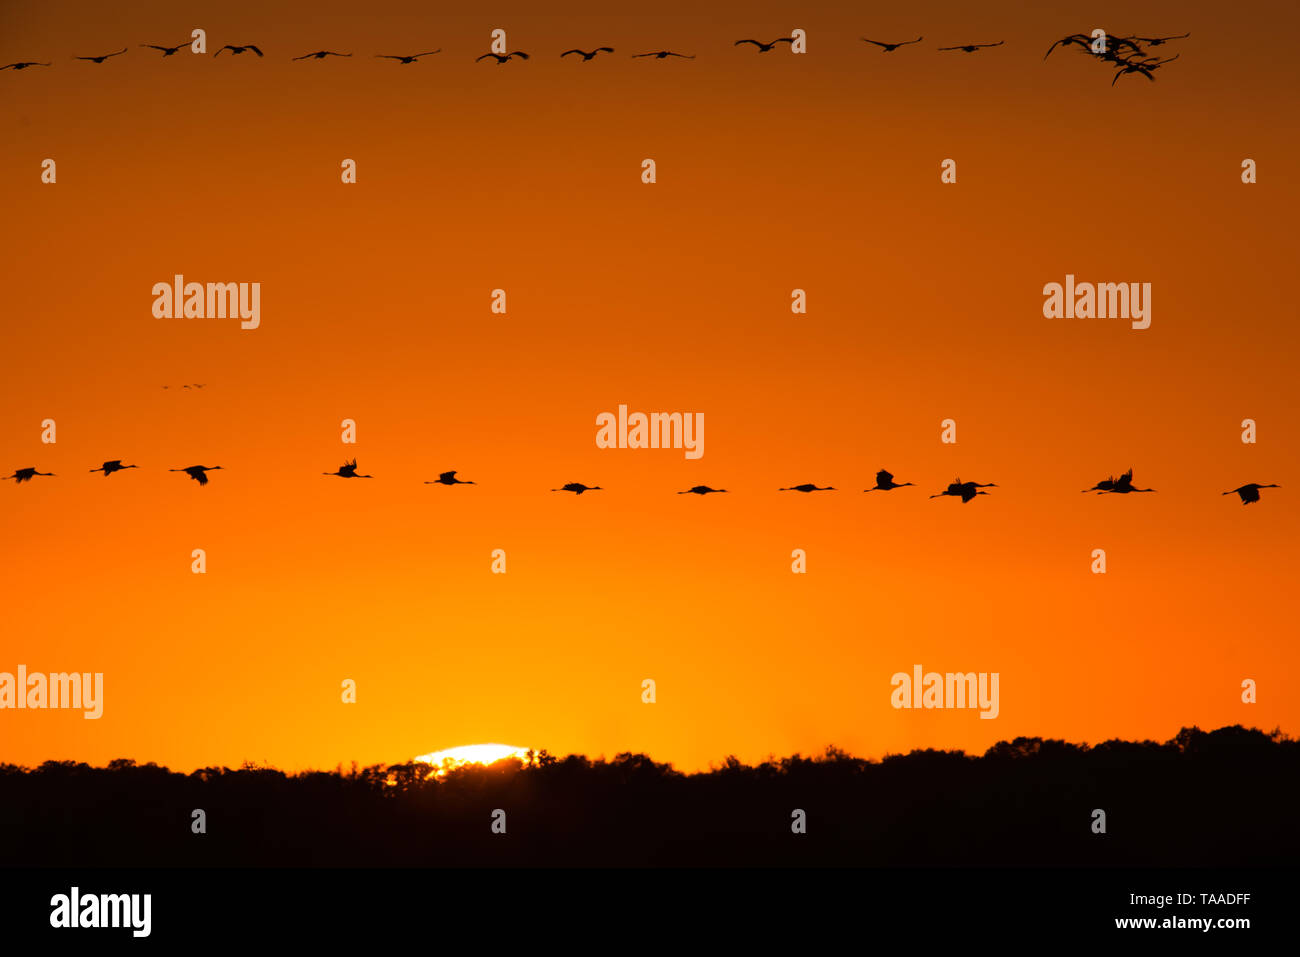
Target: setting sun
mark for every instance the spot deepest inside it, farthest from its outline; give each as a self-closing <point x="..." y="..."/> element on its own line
<point x="471" y="754"/>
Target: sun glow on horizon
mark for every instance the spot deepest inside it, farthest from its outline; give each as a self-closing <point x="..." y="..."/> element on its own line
<point x="471" y="754"/>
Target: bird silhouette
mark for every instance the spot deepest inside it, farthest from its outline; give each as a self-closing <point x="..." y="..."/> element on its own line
<point x="700" y="490"/>
<point x="115" y="465"/>
<point x="238" y="50"/>
<point x="347" y="470"/>
<point x="585" y="55"/>
<point x="22" y="65"/>
<point x="449" y="478"/>
<point x="807" y="487"/>
<point x="166" y="51"/>
<point x="1249" y="493"/>
<point x="577" y="488"/>
<point x="885" y="482"/>
<point x="663" y="54"/>
<point x="1120" y="486"/>
<point x="197" y="472"/>
<point x="1146" y="67"/>
<point x="1160" y="41"/>
<point x="101" y="59"/>
<point x="320" y="55"/>
<point x="25" y="475"/>
<point x="891" y="47"/>
<point x="972" y="47"/>
<point x="1082" y="39"/>
<point x="502" y="57"/>
<point x="764" y="47"/>
<point x="964" y="490"/>
<point x="407" y="59"/>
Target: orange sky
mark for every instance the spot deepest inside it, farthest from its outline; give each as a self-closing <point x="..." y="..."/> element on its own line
<point x="774" y="172"/>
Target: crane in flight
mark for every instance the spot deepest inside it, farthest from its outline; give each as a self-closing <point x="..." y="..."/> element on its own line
<point x="807" y="487"/>
<point x="449" y="478"/>
<point x="972" y="47"/>
<point x="347" y="470"/>
<point x="1249" y="493"/>
<point x="965" y="490"/>
<point x="320" y="55"/>
<point x="585" y="55"/>
<point x="764" y="47"/>
<point x="664" y="54"/>
<point x="577" y="488"/>
<point x="890" y="47"/>
<point x="502" y="57"/>
<point x="1081" y="39"/>
<point x="22" y="65"/>
<point x="885" y="482"/>
<point x="198" y="472"/>
<point x="1160" y="41"/>
<point x="108" y="468"/>
<point x="25" y="475"/>
<point x="238" y="50"/>
<point x="700" y="490"/>
<point x="407" y="59"/>
<point x="166" y="51"/>
<point x="100" y="59"/>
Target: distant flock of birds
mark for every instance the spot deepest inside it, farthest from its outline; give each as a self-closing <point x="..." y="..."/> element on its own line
<point x="966" y="491"/>
<point x="1125" y="53"/>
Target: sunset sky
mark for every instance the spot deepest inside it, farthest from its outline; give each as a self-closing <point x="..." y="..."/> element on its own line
<point x="775" y="172"/>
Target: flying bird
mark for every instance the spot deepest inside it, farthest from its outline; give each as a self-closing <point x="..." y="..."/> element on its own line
<point x="238" y="50"/>
<point x="1159" y="41"/>
<point x="1249" y="493"/>
<point x="885" y="482"/>
<point x="22" y="65"/>
<point x="891" y="47"/>
<point x="1118" y="486"/>
<point x="585" y="55"/>
<point x="407" y="59"/>
<point x="764" y="47"/>
<point x="502" y="58"/>
<point x="347" y="470"/>
<point x="965" y="490"/>
<point x="115" y="465"/>
<point x="166" y="51"/>
<point x="807" y="487"/>
<point x="320" y="55"/>
<point x="662" y="54"/>
<point x="101" y="59"/>
<point x="25" y="475"/>
<point x="197" y="472"/>
<point x="971" y="48"/>
<point x="449" y="478"/>
<point x="1145" y="67"/>
<point x="1082" y="39"/>
<point x="700" y="490"/>
<point x="577" y="488"/>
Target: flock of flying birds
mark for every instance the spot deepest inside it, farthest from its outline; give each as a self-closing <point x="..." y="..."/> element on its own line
<point x="1127" y="54"/>
<point x="884" y="482"/>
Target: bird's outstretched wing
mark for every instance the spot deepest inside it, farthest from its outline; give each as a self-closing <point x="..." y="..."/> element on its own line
<point x="485" y="56"/>
<point x="255" y="49"/>
<point x="755" y="42"/>
<point x="519" y="53"/>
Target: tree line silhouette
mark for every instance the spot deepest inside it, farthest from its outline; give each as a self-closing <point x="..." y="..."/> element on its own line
<point x="1218" y="798"/>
